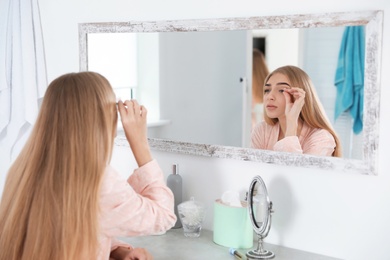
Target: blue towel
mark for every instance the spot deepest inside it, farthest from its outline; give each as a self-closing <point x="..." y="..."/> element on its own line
<point x="349" y="78"/>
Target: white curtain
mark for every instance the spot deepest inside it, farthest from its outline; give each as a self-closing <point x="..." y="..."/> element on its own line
<point x="23" y="79"/>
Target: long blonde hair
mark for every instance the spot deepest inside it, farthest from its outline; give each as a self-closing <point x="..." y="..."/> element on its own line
<point x="312" y="112"/>
<point x="49" y="208"/>
<point x="259" y="73"/>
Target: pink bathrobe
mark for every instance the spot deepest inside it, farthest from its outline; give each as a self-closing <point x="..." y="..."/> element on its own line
<point x="314" y="141"/>
<point x="141" y="206"/>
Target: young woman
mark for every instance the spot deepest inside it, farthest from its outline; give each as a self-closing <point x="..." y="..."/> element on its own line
<point x="294" y="119"/>
<point x="62" y="200"/>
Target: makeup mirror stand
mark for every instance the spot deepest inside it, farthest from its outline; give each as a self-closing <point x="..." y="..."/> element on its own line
<point x="260" y="252"/>
<point x="260" y="228"/>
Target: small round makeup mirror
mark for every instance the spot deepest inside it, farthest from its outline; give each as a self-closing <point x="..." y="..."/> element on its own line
<point x="260" y="210"/>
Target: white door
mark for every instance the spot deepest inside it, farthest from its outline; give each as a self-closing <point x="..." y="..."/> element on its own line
<point x="201" y="91"/>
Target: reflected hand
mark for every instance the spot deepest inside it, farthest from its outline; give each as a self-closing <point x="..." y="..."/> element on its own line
<point x="295" y="99"/>
<point x="133" y="118"/>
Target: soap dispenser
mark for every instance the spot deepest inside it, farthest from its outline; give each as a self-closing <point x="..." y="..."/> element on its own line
<point x="175" y="183"/>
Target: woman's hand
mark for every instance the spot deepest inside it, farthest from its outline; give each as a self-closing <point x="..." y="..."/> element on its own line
<point x="122" y="253"/>
<point x="133" y="117"/>
<point x="295" y="99"/>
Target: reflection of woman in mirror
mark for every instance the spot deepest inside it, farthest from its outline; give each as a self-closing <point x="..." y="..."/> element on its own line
<point x="259" y="73"/>
<point x="62" y="200"/>
<point x="294" y="117"/>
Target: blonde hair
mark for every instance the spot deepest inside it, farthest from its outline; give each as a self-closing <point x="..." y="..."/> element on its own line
<point x="49" y="208"/>
<point x="312" y="112"/>
<point x="259" y="73"/>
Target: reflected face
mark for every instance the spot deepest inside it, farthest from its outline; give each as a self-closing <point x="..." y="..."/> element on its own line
<point x="274" y="100"/>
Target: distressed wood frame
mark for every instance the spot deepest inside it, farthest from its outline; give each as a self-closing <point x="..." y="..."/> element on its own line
<point x="373" y="20"/>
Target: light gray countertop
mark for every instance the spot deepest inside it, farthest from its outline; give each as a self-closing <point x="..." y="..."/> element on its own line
<point x="174" y="245"/>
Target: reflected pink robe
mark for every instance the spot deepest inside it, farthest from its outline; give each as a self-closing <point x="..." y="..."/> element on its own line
<point x="314" y="141"/>
<point x="141" y="206"/>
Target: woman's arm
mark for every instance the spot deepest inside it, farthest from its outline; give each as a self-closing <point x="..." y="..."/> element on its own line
<point x="141" y="206"/>
<point x="133" y="117"/>
<point x="318" y="142"/>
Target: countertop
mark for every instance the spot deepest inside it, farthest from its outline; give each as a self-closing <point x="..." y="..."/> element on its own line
<point x="174" y="245"/>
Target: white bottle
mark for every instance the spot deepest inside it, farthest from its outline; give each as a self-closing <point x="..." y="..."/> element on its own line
<point x="175" y="183"/>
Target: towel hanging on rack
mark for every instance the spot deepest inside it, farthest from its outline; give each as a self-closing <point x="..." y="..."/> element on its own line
<point x="349" y="78"/>
<point x="24" y="82"/>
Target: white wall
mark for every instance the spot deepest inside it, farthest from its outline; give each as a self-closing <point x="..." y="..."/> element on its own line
<point x="332" y="213"/>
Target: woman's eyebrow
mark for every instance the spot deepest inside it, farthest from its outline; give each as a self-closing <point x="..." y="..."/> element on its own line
<point x="277" y="84"/>
<point x="283" y="83"/>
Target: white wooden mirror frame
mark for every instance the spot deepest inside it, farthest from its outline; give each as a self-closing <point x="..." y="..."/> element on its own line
<point x="373" y="20"/>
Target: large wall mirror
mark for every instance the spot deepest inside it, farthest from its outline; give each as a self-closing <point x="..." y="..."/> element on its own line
<point x="194" y="76"/>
